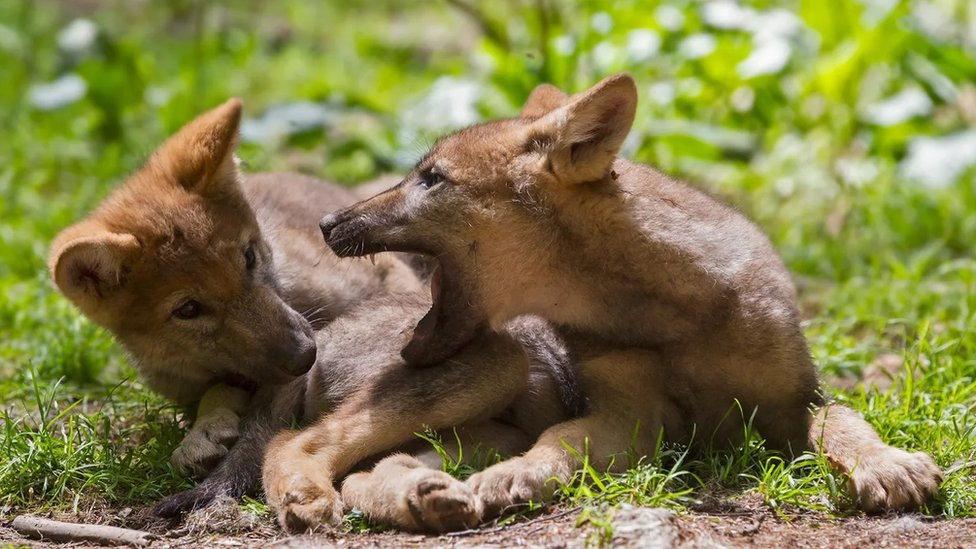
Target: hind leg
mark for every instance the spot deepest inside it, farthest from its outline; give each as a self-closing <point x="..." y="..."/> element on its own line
<point x="623" y="395"/>
<point x="300" y="468"/>
<point x="881" y="477"/>
<point x="411" y="491"/>
<point x="404" y="492"/>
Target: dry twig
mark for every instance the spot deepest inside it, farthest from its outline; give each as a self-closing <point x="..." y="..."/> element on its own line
<point x="53" y="530"/>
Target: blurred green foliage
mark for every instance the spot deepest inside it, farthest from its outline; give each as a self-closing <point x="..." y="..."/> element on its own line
<point x="844" y="128"/>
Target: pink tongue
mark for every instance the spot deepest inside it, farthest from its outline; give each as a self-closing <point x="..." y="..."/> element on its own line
<point x="428" y="323"/>
<point x="435" y="284"/>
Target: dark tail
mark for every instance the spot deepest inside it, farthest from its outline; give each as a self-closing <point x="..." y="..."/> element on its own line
<point x="547" y="351"/>
<point x="234" y="476"/>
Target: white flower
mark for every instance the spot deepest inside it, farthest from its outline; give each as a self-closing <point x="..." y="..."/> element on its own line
<point x="642" y="44"/>
<point x="669" y="17"/>
<point x="771" y="33"/>
<point x="857" y="171"/>
<point x="281" y="121"/>
<point x="769" y="57"/>
<point x="449" y="104"/>
<point x="564" y="44"/>
<point x="725" y="14"/>
<point x="697" y="45"/>
<point x="937" y="162"/>
<point x="64" y="91"/>
<point x="742" y="98"/>
<point x="902" y="106"/>
<point x="602" y="22"/>
<point x="662" y="93"/>
<point x="605" y="55"/>
<point x="78" y="36"/>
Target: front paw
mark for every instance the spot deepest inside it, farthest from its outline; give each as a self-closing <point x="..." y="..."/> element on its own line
<point x="888" y="478"/>
<point x="511" y="484"/>
<point x="206" y="444"/>
<point x="303" y="506"/>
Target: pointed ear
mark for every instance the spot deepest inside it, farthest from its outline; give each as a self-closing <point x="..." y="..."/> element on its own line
<point x="200" y="157"/>
<point x="544" y="99"/>
<point x="89" y="264"/>
<point x="581" y="139"/>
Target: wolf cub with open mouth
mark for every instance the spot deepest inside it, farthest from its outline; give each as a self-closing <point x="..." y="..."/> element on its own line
<point x="678" y="307"/>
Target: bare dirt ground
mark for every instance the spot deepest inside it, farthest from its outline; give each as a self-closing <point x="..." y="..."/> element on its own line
<point x="750" y="525"/>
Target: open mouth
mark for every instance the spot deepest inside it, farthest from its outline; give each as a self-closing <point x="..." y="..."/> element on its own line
<point x="427" y="326"/>
<point x="239" y="381"/>
<point x="447" y="326"/>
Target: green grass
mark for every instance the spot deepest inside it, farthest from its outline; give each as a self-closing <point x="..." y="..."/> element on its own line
<point x="113" y="447"/>
<point x="884" y="264"/>
<point x="457" y="460"/>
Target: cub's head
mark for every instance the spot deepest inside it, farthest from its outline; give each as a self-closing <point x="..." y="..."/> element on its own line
<point x="482" y="202"/>
<point x="174" y="264"/>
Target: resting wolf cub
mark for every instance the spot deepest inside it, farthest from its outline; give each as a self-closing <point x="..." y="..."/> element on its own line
<point x="678" y="306"/>
<point x="178" y="267"/>
<point x="201" y="274"/>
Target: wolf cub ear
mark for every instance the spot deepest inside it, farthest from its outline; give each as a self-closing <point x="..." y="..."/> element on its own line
<point x="200" y="156"/>
<point x="89" y="268"/>
<point x="584" y="135"/>
<point x="544" y="99"/>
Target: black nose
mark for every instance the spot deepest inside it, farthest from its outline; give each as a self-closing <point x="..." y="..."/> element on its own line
<point x="304" y="360"/>
<point x="328" y="223"/>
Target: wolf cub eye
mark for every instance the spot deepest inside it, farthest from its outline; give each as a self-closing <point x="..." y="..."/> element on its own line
<point x="431" y="179"/>
<point x="188" y="310"/>
<point x="249" y="258"/>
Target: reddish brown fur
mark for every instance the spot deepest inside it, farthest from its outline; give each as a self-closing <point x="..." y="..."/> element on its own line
<point x="680" y="308"/>
<point x="179" y="229"/>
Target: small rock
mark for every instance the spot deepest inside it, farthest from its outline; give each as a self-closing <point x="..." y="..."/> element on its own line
<point x="225" y="516"/>
<point x="903" y="525"/>
<point x="650" y="528"/>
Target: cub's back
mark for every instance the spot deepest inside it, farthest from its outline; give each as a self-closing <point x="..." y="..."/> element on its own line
<point x="724" y="244"/>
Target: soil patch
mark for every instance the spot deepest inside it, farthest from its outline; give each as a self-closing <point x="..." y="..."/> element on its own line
<point x="751" y="526"/>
